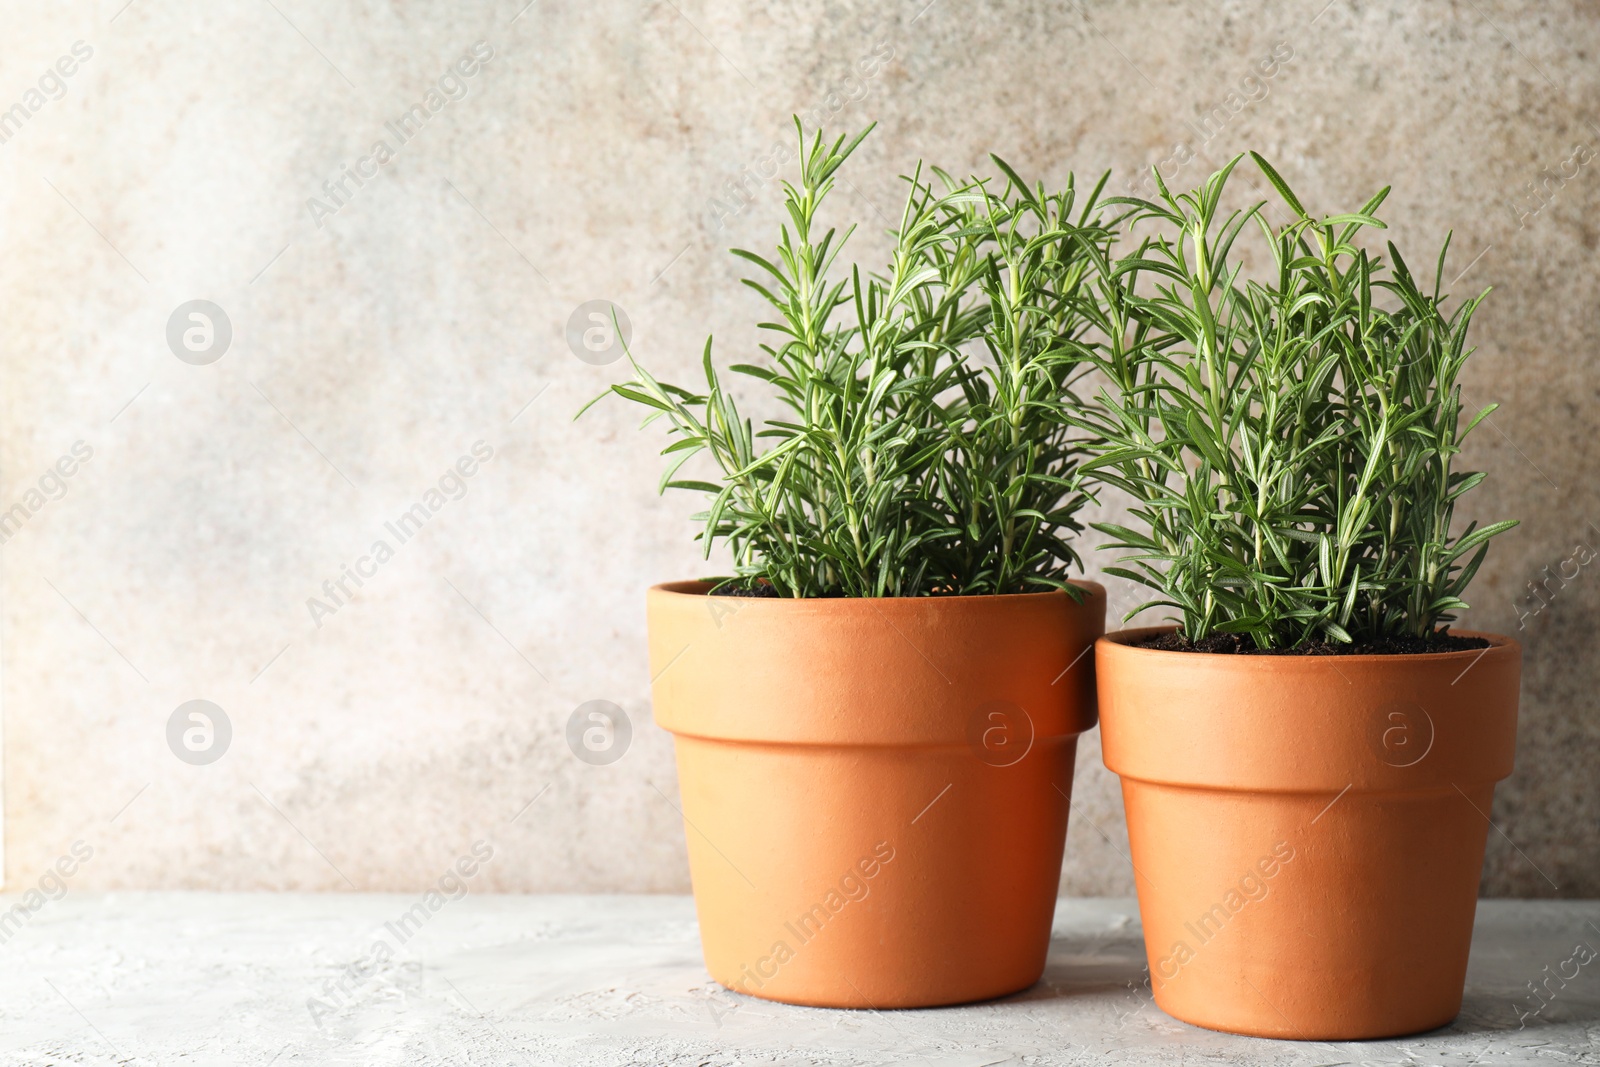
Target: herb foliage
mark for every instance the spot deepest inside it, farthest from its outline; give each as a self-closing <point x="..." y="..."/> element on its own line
<point x="926" y="444"/>
<point x="1289" y="439"/>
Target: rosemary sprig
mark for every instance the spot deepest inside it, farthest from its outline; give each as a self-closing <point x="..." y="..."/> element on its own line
<point x="926" y="446"/>
<point x="1288" y="440"/>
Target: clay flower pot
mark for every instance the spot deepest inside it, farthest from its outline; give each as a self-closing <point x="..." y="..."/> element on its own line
<point x="1308" y="832"/>
<point x="874" y="791"/>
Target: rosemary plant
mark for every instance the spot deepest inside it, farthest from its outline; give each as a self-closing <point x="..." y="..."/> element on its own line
<point x="1288" y="440"/>
<point x="924" y="446"/>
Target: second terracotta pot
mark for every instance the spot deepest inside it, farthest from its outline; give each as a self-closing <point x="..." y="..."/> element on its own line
<point x="1308" y="832"/>
<point x="874" y="791"/>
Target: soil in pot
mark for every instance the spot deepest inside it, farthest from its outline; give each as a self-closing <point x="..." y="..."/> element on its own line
<point x="1242" y="645"/>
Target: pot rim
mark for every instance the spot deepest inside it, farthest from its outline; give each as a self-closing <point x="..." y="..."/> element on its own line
<point x="697" y="587"/>
<point x="869" y="670"/>
<point x="1307" y="724"/>
<point x="1123" y="640"/>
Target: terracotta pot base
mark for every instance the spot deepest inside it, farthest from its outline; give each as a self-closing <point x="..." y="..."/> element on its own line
<point x="854" y="904"/>
<point x="875" y="792"/>
<point x="1308" y="833"/>
<point x="1252" y="970"/>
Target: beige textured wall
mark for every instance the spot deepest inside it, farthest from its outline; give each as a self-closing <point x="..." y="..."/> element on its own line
<point x="371" y="351"/>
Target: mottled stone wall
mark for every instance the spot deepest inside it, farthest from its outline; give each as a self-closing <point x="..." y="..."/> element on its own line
<point x="592" y="155"/>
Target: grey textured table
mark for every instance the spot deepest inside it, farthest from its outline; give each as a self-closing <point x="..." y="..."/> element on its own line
<point x="196" y="979"/>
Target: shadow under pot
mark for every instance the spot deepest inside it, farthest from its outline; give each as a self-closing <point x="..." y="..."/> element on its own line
<point x="874" y="791"/>
<point x="1308" y="832"/>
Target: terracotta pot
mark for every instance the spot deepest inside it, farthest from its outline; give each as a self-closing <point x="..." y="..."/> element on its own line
<point x="874" y="791"/>
<point x="1308" y="832"/>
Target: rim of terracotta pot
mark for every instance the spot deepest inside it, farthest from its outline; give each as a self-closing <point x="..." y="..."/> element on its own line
<point x="903" y="671"/>
<point x="1438" y="721"/>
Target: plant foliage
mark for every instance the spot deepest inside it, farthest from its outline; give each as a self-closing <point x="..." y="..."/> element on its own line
<point x="925" y="444"/>
<point x="1288" y="439"/>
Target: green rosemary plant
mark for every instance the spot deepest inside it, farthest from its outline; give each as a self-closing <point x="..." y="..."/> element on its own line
<point x="1288" y="440"/>
<point x="923" y="448"/>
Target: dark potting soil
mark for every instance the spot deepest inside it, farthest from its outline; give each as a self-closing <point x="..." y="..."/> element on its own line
<point x="1243" y="645"/>
<point x="765" y="591"/>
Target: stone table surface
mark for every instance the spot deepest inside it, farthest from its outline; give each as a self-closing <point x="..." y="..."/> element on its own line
<point x="205" y="978"/>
